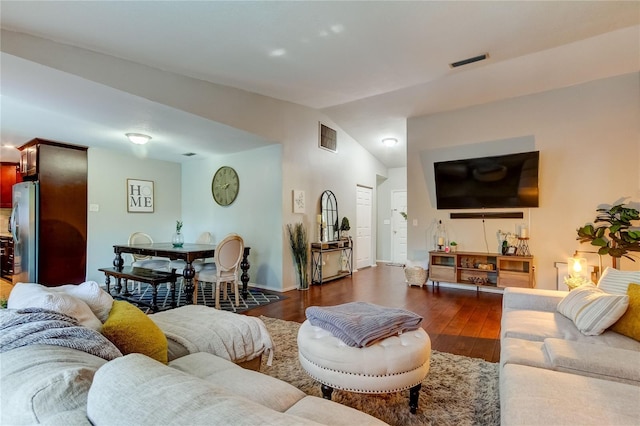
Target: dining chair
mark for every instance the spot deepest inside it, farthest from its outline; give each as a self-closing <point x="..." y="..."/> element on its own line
<point x="146" y="261"/>
<point x="226" y="263"/>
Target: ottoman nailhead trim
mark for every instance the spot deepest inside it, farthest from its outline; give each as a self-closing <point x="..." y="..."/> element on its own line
<point x="360" y="374"/>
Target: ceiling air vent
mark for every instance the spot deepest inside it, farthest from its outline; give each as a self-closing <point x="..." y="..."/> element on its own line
<point x="469" y="60"/>
<point x="189" y="154"/>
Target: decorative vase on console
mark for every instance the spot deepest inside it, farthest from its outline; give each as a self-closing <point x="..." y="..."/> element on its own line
<point x="178" y="239"/>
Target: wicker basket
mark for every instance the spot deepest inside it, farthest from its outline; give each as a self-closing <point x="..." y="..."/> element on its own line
<point x="415" y="276"/>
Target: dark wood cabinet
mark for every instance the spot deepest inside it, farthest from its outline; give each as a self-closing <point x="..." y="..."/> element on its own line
<point x="61" y="170"/>
<point x="10" y="174"/>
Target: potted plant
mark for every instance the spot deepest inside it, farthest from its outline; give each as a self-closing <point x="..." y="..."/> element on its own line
<point x="178" y="238"/>
<point x="344" y="228"/>
<point x="454" y="246"/>
<point x="299" y="249"/>
<point x="615" y="238"/>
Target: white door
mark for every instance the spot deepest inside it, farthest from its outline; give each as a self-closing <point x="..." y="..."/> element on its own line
<point x="398" y="227"/>
<point x="363" y="227"/>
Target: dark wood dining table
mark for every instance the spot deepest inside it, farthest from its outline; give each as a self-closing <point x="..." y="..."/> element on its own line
<point x="188" y="253"/>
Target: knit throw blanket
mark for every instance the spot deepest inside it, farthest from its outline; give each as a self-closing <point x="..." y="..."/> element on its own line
<point x="36" y="326"/>
<point x="361" y="324"/>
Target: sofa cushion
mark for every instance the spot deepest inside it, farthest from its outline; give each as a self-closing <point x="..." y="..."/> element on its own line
<point x="92" y="294"/>
<point x="615" y="281"/>
<point x="330" y="413"/>
<point x="31" y="295"/>
<point x="46" y="384"/>
<point x="530" y="395"/>
<point x="142" y="391"/>
<point x="600" y="361"/>
<point x="591" y="309"/>
<point x="629" y="324"/>
<point x="132" y="331"/>
<point x="538" y="326"/>
<point x="265" y="390"/>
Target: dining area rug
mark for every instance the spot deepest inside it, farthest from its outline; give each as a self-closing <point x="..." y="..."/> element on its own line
<point x="256" y="297"/>
<point x="458" y="390"/>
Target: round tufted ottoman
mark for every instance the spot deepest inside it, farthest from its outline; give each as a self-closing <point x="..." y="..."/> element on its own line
<point x="391" y="365"/>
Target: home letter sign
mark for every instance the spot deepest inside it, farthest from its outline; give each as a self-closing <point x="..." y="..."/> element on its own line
<point x="139" y="196"/>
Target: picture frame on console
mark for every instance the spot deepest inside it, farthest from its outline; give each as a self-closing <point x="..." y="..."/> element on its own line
<point x="511" y="251"/>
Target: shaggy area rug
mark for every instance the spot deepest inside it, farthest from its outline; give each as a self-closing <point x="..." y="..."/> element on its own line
<point x="458" y="390"/>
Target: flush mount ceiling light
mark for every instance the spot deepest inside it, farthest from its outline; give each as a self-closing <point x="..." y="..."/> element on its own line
<point x="138" y="138"/>
<point x="390" y="141"/>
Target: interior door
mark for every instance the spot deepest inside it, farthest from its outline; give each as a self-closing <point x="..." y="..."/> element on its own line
<point x="364" y="197"/>
<point x="398" y="227"/>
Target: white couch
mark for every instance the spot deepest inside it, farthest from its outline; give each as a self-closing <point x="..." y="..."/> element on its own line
<point x="551" y="373"/>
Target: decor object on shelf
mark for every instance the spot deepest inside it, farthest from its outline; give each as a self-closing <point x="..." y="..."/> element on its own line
<point x="615" y="239"/>
<point x="299" y="246"/>
<point x="441" y="236"/>
<point x="454" y="246"/>
<point x="178" y="239"/>
<point x="330" y="217"/>
<point x="344" y="228"/>
<point x="225" y="186"/>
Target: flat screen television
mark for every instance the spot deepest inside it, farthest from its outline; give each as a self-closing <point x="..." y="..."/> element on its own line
<point x="489" y="182"/>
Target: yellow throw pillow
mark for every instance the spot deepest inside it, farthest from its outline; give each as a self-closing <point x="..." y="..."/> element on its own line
<point x="629" y="323"/>
<point x="132" y="331"/>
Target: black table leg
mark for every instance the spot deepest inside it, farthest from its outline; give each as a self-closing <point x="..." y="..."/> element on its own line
<point x="188" y="274"/>
<point x="244" y="265"/>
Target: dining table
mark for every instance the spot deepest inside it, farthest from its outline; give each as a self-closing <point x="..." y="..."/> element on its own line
<point x="188" y="253"/>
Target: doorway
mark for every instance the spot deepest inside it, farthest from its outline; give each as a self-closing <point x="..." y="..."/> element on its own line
<point x="364" y="197"/>
<point x="399" y="226"/>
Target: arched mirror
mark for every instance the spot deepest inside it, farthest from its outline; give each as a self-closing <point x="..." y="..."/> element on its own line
<point x="329" y="211"/>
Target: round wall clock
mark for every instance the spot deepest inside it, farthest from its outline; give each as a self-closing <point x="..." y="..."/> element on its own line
<point x="225" y="186"/>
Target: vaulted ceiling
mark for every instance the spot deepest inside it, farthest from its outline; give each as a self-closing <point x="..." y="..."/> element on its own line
<point x="367" y="65"/>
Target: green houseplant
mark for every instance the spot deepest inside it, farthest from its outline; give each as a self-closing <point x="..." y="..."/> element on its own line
<point x="299" y="249"/>
<point x="344" y="227"/>
<point x="615" y="237"/>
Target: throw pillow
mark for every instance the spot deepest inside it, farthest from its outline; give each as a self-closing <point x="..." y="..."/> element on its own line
<point x="616" y="282"/>
<point x="31" y="295"/>
<point x="629" y="324"/>
<point x="92" y="294"/>
<point x="591" y="309"/>
<point x="132" y="331"/>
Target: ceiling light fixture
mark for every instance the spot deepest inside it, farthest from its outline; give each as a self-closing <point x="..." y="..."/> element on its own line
<point x="390" y="141"/>
<point x="138" y="138"/>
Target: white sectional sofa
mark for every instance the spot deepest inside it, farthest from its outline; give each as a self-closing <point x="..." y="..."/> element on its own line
<point x="552" y="373"/>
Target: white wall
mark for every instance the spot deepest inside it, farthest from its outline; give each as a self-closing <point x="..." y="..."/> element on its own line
<point x="397" y="180"/>
<point x="589" y="142"/>
<point x="255" y="214"/>
<point x="108" y="172"/>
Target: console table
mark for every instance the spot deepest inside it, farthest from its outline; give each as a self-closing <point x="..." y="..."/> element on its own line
<point x="319" y="250"/>
<point x="481" y="269"/>
<point x="188" y="253"/>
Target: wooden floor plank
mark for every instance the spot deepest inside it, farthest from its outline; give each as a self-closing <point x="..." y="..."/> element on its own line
<point x="464" y="322"/>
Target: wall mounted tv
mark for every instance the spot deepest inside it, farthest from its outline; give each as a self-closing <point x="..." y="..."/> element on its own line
<point x="489" y="182"/>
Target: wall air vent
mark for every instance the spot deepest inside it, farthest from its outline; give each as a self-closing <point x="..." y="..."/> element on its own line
<point x="469" y="60"/>
<point x="189" y="154"/>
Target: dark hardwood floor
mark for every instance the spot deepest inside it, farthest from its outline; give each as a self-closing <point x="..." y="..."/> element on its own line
<point x="463" y="322"/>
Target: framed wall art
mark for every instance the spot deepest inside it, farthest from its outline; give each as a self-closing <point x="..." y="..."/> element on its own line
<point x="328" y="138"/>
<point x="298" y="201"/>
<point x="140" y="196"/>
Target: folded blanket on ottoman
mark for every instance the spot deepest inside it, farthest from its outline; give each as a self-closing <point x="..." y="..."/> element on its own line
<point x="37" y="326"/>
<point x="231" y="336"/>
<point x="362" y="324"/>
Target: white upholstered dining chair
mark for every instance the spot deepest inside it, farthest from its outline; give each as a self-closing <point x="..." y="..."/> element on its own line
<point x="145" y="261"/>
<point x="224" y="270"/>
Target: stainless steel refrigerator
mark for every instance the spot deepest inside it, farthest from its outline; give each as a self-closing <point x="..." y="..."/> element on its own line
<point x="49" y="217"/>
<point x="24" y="228"/>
